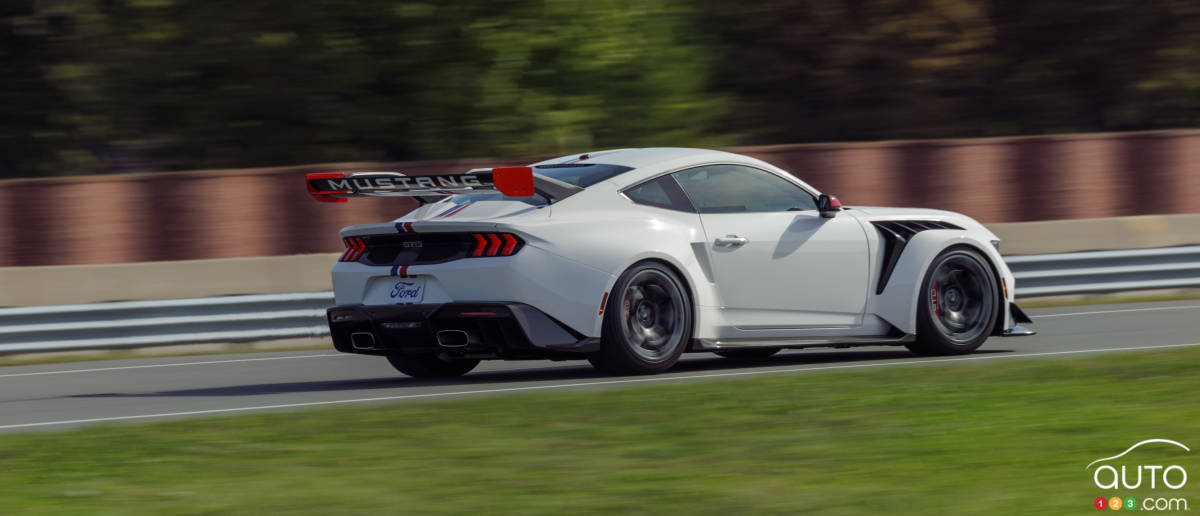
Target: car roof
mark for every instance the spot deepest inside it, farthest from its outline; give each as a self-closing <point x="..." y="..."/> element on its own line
<point x="652" y="161"/>
<point x="635" y="158"/>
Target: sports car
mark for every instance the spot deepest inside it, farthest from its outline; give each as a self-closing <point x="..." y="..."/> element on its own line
<point x="629" y="258"/>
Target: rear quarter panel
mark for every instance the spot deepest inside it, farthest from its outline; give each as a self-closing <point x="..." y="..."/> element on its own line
<point x="604" y="230"/>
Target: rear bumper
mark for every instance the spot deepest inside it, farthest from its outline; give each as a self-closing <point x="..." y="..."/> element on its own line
<point x="484" y="330"/>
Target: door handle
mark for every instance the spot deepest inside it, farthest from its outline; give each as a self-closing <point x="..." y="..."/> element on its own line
<point x="730" y="241"/>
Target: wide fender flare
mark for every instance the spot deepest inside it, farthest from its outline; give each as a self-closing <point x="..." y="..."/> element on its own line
<point x="617" y="244"/>
<point x="694" y="280"/>
<point x="898" y="303"/>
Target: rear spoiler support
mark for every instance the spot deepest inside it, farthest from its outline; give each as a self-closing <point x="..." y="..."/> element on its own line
<point x="510" y="181"/>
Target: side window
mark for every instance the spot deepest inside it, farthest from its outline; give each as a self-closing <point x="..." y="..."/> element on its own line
<point x="741" y="189"/>
<point x="663" y="192"/>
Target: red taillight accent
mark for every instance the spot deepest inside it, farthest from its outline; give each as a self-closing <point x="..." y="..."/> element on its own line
<point x="354" y="249"/>
<point x="510" y="244"/>
<point x="603" y="301"/>
<point x="495" y="244"/>
<point x="480" y="244"/>
<point x="485" y="245"/>
<point x="476" y="314"/>
<point x="324" y="195"/>
<point x="514" y="181"/>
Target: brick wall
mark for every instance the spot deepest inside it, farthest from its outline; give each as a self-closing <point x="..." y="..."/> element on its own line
<point x="265" y="212"/>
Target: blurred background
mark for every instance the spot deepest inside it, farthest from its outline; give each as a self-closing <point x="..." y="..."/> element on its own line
<point x="1006" y="110"/>
<point x="152" y="157"/>
<point x="106" y="86"/>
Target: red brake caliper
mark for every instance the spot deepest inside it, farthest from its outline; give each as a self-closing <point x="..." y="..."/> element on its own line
<point x="933" y="300"/>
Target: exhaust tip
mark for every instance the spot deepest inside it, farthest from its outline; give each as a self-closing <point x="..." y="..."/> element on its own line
<point x="362" y="340"/>
<point x="453" y="338"/>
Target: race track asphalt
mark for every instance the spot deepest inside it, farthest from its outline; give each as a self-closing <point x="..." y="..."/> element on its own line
<point x="64" y="395"/>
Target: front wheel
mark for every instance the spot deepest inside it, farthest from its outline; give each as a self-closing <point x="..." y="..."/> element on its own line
<point x="647" y="322"/>
<point x="958" y="305"/>
<point x="430" y="366"/>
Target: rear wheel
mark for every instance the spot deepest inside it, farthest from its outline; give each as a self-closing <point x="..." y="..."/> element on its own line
<point x="748" y="354"/>
<point x="958" y="305"/>
<point x="430" y="366"/>
<point x="647" y="322"/>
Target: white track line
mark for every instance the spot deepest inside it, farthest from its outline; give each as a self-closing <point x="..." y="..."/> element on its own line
<point x="1120" y="311"/>
<point x="582" y="384"/>
<point x="147" y="366"/>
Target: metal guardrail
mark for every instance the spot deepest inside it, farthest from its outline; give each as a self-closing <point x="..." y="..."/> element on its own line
<point x="1106" y="271"/>
<point x="134" y="324"/>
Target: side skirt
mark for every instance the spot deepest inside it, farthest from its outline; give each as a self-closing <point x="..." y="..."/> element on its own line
<point x="796" y="343"/>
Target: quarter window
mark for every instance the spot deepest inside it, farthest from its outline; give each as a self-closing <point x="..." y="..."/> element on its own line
<point x="663" y="192"/>
<point x="742" y="189"/>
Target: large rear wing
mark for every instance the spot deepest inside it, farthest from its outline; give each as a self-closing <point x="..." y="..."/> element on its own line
<point x="510" y="181"/>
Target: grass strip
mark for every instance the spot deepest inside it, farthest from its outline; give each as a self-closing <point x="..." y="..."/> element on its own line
<point x="998" y="437"/>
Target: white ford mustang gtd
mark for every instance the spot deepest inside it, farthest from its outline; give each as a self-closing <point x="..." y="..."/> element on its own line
<point x="630" y="257"/>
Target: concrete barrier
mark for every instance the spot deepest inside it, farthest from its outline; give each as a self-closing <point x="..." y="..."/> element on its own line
<point x="71" y="284"/>
<point x="1103" y="234"/>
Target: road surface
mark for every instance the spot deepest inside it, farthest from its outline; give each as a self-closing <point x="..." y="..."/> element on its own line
<point x="64" y="395"/>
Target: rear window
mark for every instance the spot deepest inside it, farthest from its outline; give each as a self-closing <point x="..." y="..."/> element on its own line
<point x="582" y="175"/>
<point x="578" y="174"/>
<point x="535" y="200"/>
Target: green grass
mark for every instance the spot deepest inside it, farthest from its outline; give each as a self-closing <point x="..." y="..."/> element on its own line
<point x="1000" y="437"/>
<point x="1107" y="299"/>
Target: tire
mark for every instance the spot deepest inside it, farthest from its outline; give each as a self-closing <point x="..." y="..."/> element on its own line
<point x="958" y="305"/>
<point x="430" y="366"/>
<point x="748" y="354"/>
<point x="647" y="322"/>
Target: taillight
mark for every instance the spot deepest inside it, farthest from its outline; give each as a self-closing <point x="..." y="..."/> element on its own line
<point x="354" y="249"/>
<point x="495" y="244"/>
<point x="480" y="245"/>
<point x="429" y="248"/>
<point x="510" y="244"/>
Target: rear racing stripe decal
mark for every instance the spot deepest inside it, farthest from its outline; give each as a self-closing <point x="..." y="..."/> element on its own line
<point x="452" y="211"/>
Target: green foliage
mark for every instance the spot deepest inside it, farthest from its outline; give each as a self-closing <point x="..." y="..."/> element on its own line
<point x="207" y="83"/>
<point x="879" y="69"/>
<point x="111" y="85"/>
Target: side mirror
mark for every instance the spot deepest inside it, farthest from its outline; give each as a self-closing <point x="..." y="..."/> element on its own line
<point x="828" y="205"/>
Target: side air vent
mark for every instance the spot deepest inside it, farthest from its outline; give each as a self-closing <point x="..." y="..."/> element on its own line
<point x="896" y="234"/>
